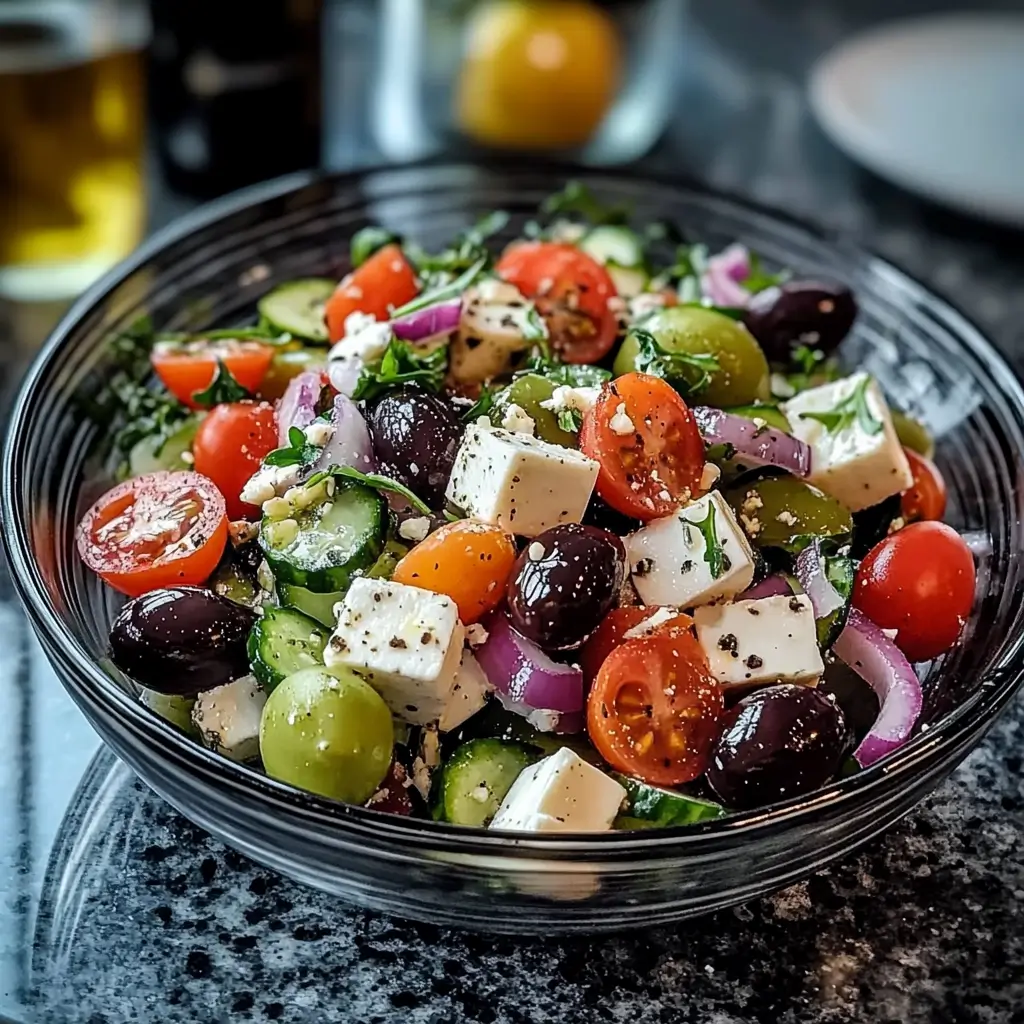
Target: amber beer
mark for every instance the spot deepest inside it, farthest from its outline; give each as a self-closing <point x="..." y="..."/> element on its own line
<point x="71" y="142"/>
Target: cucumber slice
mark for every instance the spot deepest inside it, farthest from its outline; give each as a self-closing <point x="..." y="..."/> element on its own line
<point x="662" y="808"/>
<point x="297" y="308"/>
<point x="771" y="414"/>
<point x="629" y="281"/>
<point x="144" y="458"/>
<point x="611" y="243"/>
<point x="328" y="539"/>
<point x="383" y="569"/>
<point x="476" y="779"/>
<point x="316" y="606"/>
<point x="283" y="641"/>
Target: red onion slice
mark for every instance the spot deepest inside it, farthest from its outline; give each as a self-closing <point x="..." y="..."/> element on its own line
<point x="722" y="282"/>
<point x="518" y="669"/>
<point x="770" y="586"/>
<point x="350" y="443"/>
<point x="763" y="445"/>
<point x="344" y="374"/>
<point x="297" y="407"/>
<point x="432" y="322"/>
<point x="881" y="664"/>
<point x="810" y="571"/>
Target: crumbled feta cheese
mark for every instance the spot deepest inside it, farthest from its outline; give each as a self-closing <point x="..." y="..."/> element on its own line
<point x="535" y="551"/>
<point x="476" y="635"/>
<point x="709" y="476"/>
<point x="752" y="502"/>
<point x="319" y="432"/>
<point x="787" y="518"/>
<point x="567" y="399"/>
<point x="518" y="420"/>
<point x="647" y="626"/>
<point x="620" y="423"/>
<point x="415" y="529"/>
<point x="269" y="482"/>
<point x="751" y="524"/>
<point x="365" y="339"/>
<point x="780" y="386"/>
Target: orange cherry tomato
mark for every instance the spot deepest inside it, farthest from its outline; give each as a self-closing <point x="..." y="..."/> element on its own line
<point x="926" y="498"/>
<point x="920" y="582"/>
<point x="190" y="367"/>
<point x="571" y="291"/>
<point x="469" y="561"/>
<point x="648" y="446"/>
<point x="161" y="529"/>
<point x="383" y="283"/>
<point x="229" y="447"/>
<point x="612" y="632"/>
<point x="653" y="710"/>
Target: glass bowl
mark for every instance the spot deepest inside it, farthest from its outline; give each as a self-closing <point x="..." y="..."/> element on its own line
<point x="210" y="268"/>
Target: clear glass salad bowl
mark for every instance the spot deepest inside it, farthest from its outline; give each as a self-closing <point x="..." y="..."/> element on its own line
<point x="210" y="268"/>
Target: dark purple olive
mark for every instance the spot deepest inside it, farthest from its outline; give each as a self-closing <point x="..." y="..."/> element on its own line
<point x="564" y="583"/>
<point x="181" y="640"/>
<point x="780" y="742"/>
<point x="818" y="314"/>
<point x="415" y="437"/>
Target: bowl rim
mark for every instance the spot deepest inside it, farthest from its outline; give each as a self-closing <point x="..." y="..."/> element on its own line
<point x="87" y="681"/>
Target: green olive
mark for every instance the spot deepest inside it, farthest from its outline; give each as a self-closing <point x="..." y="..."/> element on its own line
<point x="528" y="392"/>
<point x="788" y="512"/>
<point x="743" y="375"/>
<point x="176" y="710"/>
<point x="913" y="434"/>
<point x="328" y="731"/>
<point x="286" y="364"/>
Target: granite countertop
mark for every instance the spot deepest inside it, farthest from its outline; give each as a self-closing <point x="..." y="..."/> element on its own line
<point x="113" y="908"/>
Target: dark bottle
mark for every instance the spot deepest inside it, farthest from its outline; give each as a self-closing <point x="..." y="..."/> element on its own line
<point x="235" y="90"/>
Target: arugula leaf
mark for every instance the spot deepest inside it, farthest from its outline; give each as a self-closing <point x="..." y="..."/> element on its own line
<point x="577" y="198"/>
<point x="223" y="388"/>
<point x="467" y="249"/>
<point x="713" y="553"/>
<point x="574" y="375"/>
<point x="298" y="453"/>
<point x="369" y="240"/>
<point x="536" y="329"/>
<point x="482" y="407"/>
<point x="570" y="420"/>
<point x="689" y="373"/>
<point x="452" y="290"/>
<point x="377" y="482"/>
<point x="852" y="409"/>
<point x="758" y="279"/>
<point x="806" y="358"/>
<point x="402" y="364"/>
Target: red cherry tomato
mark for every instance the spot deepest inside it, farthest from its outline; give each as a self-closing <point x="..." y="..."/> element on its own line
<point x="648" y="446"/>
<point x="190" y="367"/>
<point x="919" y="582"/>
<point x="926" y="499"/>
<point x="571" y="291"/>
<point x="229" y="447"/>
<point x="161" y="529"/>
<point x="653" y="710"/>
<point x="383" y="283"/>
<point x="612" y="632"/>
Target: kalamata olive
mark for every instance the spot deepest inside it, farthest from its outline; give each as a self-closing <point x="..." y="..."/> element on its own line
<point x="415" y="437"/>
<point x="777" y="743"/>
<point x="564" y="583"/>
<point x="182" y="640"/>
<point x="818" y="314"/>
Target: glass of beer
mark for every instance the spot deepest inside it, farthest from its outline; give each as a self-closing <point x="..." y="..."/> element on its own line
<point x="71" y="143"/>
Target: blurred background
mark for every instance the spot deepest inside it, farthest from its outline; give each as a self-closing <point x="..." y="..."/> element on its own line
<point x="117" y="115"/>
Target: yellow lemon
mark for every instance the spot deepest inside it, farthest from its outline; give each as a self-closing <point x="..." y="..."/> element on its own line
<point x="537" y="74"/>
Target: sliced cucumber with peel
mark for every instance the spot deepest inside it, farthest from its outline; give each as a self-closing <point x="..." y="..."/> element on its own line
<point x="317" y="606"/>
<point x="663" y="808"/>
<point x="297" y="308"/>
<point x="477" y="777"/>
<point x="283" y="641"/>
<point x="611" y="243"/>
<point x="145" y="457"/>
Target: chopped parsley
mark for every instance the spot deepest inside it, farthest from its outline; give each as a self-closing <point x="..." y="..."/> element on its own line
<point x="573" y="375"/>
<point x="759" y="279"/>
<point x="468" y="249"/>
<point x="806" y="359"/>
<point x="570" y="420"/>
<point x="713" y="553"/>
<point x="402" y="364"/>
<point x="852" y="409"/>
<point x="299" y="452"/>
<point x="689" y="373"/>
<point x="481" y="407"/>
<point x="535" y="329"/>
<point x="577" y="199"/>
<point x="223" y="388"/>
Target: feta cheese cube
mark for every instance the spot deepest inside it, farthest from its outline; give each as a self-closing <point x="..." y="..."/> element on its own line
<point x="468" y="696"/>
<point x="520" y="483"/>
<point x="495" y="324"/>
<point x="407" y="642"/>
<point x="753" y="643"/>
<point x="667" y="558"/>
<point x="228" y="718"/>
<point x="856" y="463"/>
<point x="560" y="793"/>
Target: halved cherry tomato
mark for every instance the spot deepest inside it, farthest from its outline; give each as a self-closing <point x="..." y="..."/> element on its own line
<point x="383" y="283"/>
<point x="571" y="291"/>
<point x="469" y="561"/>
<point x="190" y="367"/>
<point x="162" y="529"/>
<point x="647" y="444"/>
<point x="612" y="631"/>
<point x="926" y="499"/>
<point x="653" y="710"/>
<point x="229" y="447"/>
<point x="919" y="581"/>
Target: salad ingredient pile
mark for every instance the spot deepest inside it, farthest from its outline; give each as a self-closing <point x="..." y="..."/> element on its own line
<point x="571" y="534"/>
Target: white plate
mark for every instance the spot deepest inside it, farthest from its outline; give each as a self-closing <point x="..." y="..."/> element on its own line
<point x="936" y="105"/>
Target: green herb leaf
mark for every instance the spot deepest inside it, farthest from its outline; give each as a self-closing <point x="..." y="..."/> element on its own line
<point x="452" y="517"/>
<point x="300" y="452"/>
<point x="377" y="482"/>
<point x="758" y="279"/>
<point x="576" y="198"/>
<point x="469" y="248"/>
<point x="852" y="409"/>
<point x="689" y="373"/>
<point x="535" y="329"/>
<point x="806" y="358"/>
<point x="369" y="240"/>
<point x="570" y="420"/>
<point x="690" y="264"/>
<point x="402" y="364"/>
<point x="223" y="388"/>
<point x="573" y="375"/>
<point x="713" y="553"/>
<point x="452" y="290"/>
<point x="482" y="407"/>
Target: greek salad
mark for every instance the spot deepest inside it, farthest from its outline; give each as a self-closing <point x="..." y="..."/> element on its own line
<point x="587" y="531"/>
